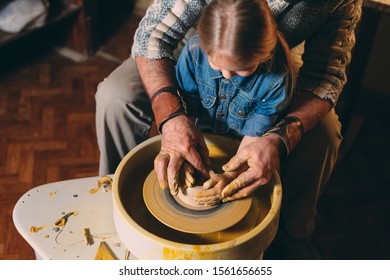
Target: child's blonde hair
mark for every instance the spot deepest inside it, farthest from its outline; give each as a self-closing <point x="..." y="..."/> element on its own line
<point x="244" y="30"/>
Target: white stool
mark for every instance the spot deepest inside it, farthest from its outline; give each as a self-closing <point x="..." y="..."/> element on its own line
<point x="68" y="220"/>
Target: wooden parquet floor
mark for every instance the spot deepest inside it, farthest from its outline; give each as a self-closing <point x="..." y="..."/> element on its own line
<point x="47" y="134"/>
<point x="47" y="124"/>
<point x="47" y="130"/>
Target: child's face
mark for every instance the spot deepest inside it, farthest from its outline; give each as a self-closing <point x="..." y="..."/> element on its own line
<point x="230" y="68"/>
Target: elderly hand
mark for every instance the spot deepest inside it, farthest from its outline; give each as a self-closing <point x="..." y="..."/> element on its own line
<point x="251" y="167"/>
<point x="181" y="141"/>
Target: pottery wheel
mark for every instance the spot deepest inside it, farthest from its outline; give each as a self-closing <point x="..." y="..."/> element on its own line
<point x="165" y="208"/>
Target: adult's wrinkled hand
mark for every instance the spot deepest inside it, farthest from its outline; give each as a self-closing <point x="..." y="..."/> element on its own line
<point x="251" y="167"/>
<point x="181" y="142"/>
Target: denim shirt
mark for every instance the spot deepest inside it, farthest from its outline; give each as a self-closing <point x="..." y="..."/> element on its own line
<point x="239" y="105"/>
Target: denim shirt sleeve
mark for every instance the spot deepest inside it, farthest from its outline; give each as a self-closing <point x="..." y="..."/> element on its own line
<point x="270" y="108"/>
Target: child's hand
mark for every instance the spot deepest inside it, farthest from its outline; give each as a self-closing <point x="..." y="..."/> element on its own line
<point x="214" y="187"/>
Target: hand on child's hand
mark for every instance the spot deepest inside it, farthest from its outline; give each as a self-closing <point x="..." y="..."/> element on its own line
<point x="214" y="187"/>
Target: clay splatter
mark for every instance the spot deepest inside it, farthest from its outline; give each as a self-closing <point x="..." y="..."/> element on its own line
<point x="103" y="184"/>
<point x="35" y="229"/>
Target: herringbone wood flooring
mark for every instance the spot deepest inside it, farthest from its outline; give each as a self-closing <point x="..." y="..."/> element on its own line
<point x="47" y="130"/>
<point x="47" y="124"/>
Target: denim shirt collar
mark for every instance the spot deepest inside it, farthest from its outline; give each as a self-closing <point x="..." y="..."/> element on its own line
<point x="243" y="83"/>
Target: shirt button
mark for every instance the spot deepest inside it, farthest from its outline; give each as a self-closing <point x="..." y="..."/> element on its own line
<point x="223" y="97"/>
<point x="220" y="114"/>
<point x="240" y="113"/>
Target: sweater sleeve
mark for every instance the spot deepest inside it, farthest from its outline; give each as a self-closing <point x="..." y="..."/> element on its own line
<point x="328" y="53"/>
<point x="328" y="32"/>
<point x="164" y="25"/>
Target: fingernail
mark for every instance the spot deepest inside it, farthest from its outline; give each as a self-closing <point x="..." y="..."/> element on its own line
<point x="227" y="199"/>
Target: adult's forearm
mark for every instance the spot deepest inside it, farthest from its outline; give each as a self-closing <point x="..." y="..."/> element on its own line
<point x="309" y="108"/>
<point x="155" y="74"/>
<point x="159" y="82"/>
<point x="305" y="111"/>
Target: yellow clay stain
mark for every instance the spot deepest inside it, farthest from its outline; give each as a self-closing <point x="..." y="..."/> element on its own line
<point x="170" y="254"/>
<point x="63" y="220"/>
<point x="35" y="229"/>
<point x="94" y="190"/>
<point x="53" y="193"/>
<point x="47" y="236"/>
<point x="198" y="252"/>
<point x="103" y="184"/>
